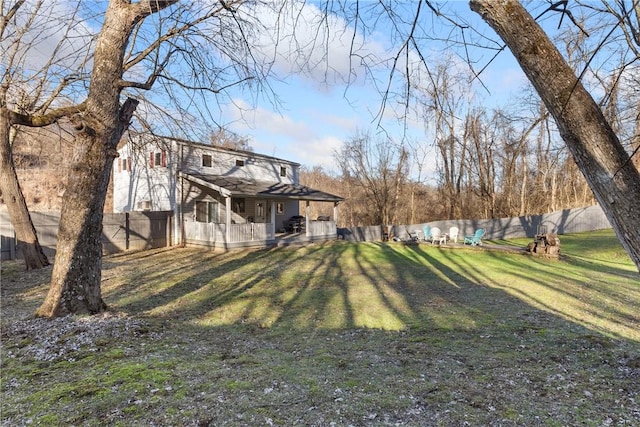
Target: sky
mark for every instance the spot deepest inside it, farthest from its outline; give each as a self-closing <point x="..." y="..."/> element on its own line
<point x="318" y="109"/>
<point x="314" y="118"/>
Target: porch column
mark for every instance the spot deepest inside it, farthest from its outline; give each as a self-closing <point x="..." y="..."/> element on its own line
<point x="227" y="202"/>
<point x="272" y="206"/>
<point x="335" y="213"/>
<point x="307" y="210"/>
<point x="179" y="212"/>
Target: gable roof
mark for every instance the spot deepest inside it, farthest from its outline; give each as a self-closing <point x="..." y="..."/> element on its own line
<point x="156" y="139"/>
<point x="242" y="187"/>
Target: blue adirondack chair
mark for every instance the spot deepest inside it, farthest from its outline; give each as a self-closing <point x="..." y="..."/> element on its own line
<point x="426" y="230"/>
<point x="476" y="239"/>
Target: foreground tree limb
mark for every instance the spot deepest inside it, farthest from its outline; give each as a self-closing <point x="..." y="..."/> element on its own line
<point x="596" y="149"/>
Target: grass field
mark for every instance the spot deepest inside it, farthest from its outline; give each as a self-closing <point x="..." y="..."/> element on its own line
<point x="334" y="334"/>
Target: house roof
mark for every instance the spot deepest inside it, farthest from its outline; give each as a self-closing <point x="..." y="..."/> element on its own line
<point x="241" y="187"/>
<point x="158" y="139"/>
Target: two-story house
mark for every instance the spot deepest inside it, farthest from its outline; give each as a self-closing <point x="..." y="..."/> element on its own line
<point x="219" y="197"/>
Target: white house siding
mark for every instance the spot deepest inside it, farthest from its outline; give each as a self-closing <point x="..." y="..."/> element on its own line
<point x="256" y="167"/>
<point x="158" y="186"/>
<point x="137" y="186"/>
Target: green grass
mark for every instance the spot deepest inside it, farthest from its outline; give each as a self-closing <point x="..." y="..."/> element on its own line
<point x="344" y="333"/>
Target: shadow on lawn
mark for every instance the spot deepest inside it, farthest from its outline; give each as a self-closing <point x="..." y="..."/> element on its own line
<point x="378" y="286"/>
<point x="342" y="331"/>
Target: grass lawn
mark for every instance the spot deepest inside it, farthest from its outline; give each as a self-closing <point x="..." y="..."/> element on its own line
<point x="334" y="334"/>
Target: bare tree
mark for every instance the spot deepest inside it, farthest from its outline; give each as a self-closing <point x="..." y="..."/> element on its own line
<point x="29" y="97"/>
<point x="379" y="168"/>
<point x="445" y="101"/>
<point x="225" y="139"/>
<point x="595" y="147"/>
<point x="141" y="46"/>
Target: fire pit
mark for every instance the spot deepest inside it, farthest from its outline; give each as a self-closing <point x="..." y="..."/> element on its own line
<point x="547" y="244"/>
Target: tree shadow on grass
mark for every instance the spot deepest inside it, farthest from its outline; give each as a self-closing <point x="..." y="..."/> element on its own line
<point x="361" y="334"/>
<point x="379" y="286"/>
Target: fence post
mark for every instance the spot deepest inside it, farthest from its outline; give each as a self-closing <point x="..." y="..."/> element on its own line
<point x="126" y="231"/>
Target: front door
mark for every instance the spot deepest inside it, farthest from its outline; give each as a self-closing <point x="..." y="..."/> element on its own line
<point x="261" y="211"/>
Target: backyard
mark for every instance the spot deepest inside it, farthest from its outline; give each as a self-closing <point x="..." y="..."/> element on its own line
<point x="336" y="333"/>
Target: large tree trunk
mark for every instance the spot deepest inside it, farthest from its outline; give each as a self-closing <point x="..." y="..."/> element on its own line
<point x="76" y="276"/>
<point x="13" y="197"/>
<point x="596" y="149"/>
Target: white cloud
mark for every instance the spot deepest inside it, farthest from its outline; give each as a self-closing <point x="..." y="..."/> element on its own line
<point x="310" y="140"/>
<point x="303" y="41"/>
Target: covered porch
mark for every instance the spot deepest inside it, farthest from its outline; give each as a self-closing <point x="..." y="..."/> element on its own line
<point x="226" y="212"/>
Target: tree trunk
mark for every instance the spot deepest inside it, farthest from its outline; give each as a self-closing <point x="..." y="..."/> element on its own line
<point x="76" y="276"/>
<point x="596" y="149"/>
<point x="28" y="243"/>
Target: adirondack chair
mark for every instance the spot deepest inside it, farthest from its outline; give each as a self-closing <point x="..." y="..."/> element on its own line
<point x="426" y="230"/>
<point x="438" y="236"/>
<point x="453" y="234"/>
<point x="476" y="239"/>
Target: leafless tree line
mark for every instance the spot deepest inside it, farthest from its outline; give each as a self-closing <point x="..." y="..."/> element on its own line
<point x="494" y="167"/>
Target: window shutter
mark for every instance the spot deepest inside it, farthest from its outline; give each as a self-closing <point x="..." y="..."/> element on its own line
<point x="164" y="158"/>
<point x="128" y="164"/>
<point x="151" y="158"/>
<point x="119" y="164"/>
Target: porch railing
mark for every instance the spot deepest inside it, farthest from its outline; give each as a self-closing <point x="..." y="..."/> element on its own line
<point x="251" y="232"/>
<point x="212" y="234"/>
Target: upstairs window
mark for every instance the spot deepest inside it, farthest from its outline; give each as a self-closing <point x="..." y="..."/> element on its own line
<point x="283" y="171"/>
<point x="158" y="159"/>
<point x="240" y="163"/>
<point x="206" y="160"/>
<point x="124" y="164"/>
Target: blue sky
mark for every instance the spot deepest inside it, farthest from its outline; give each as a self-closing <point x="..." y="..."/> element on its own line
<point x="318" y="111"/>
<point x="315" y="118"/>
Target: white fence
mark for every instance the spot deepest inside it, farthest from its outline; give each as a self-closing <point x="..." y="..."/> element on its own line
<point x="322" y="228"/>
<point x="121" y="231"/>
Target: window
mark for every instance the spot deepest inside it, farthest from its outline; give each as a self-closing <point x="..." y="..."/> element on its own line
<point x="283" y="171"/>
<point x="206" y="160"/>
<point x="125" y="164"/>
<point x="237" y="205"/>
<point x="158" y="159"/>
<point x="260" y="209"/>
<point x="240" y="163"/>
<point x="207" y="211"/>
<point x="279" y="208"/>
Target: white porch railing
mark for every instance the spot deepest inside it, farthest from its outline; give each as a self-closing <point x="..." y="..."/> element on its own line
<point x="211" y="234"/>
<point x="250" y="234"/>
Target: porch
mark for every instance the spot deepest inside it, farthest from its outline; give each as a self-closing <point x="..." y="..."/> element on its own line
<point x="232" y="212"/>
<point x="223" y="236"/>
